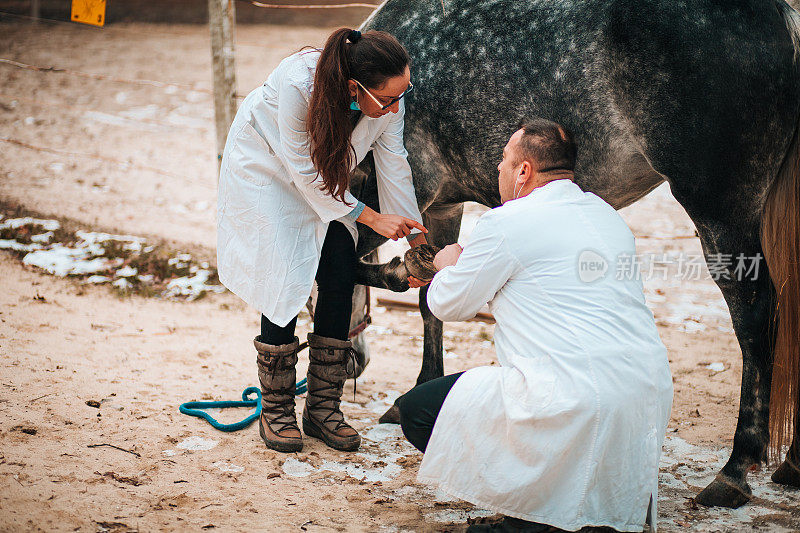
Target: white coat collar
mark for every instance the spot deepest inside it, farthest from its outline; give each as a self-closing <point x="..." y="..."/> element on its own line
<point x="559" y="189"/>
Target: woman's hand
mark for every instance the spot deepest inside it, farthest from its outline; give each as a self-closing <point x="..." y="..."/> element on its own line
<point x="415" y="283"/>
<point x="390" y="226"/>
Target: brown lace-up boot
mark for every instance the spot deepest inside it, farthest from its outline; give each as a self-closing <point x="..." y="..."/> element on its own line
<point x="276" y="374"/>
<point x="327" y="372"/>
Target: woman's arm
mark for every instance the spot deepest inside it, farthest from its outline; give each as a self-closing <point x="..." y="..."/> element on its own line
<point x="395" y="185"/>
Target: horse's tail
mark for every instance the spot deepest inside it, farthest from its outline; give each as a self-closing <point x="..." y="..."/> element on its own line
<point x="780" y="240"/>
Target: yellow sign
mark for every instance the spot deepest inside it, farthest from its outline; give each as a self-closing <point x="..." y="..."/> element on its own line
<point x="89" y="12"/>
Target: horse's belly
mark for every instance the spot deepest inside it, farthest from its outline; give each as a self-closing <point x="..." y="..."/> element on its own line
<point x="620" y="180"/>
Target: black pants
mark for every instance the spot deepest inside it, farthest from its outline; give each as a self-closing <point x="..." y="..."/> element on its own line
<point x="336" y="278"/>
<point x="420" y="407"/>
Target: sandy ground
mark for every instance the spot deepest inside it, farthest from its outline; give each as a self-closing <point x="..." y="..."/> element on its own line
<point x="63" y="343"/>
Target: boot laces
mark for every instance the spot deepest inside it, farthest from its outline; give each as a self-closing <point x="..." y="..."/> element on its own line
<point x="283" y="406"/>
<point x="281" y="409"/>
<point x="334" y="386"/>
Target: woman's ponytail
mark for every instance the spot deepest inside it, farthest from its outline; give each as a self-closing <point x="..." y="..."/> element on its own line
<point x="370" y="58"/>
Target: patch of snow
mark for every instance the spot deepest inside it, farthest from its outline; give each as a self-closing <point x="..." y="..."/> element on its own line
<point x="716" y="367"/>
<point x="227" y="467"/>
<point x="8" y="244"/>
<point x="457" y="515"/>
<point x="379" y="405"/>
<point x="122" y="284"/>
<point x="42" y="237"/>
<point x="94" y="237"/>
<point x="180" y="260"/>
<point x="126" y="272"/>
<point x="14" y="223"/>
<point x="97" y="279"/>
<point x="195" y="443"/>
<point x="371" y="475"/>
<point x="294" y="468"/>
<point x="381" y="432"/>
<point x="62" y="261"/>
<point x="192" y="286"/>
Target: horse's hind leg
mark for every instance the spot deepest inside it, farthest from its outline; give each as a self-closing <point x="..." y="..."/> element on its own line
<point x="443" y="224"/>
<point x="788" y="473"/>
<point x="733" y="232"/>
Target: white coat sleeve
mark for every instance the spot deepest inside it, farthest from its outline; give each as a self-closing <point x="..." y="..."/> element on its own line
<point x="295" y="154"/>
<point x="395" y="187"/>
<point x="459" y="291"/>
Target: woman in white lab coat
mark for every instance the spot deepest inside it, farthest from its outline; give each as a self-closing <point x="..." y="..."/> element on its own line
<point x="286" y="217"/>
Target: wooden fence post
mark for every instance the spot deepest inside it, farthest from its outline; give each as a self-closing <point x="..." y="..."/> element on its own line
<point x="221" y="21"/>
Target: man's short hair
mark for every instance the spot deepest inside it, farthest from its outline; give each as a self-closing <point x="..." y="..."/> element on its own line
<point x="546" y="143"/>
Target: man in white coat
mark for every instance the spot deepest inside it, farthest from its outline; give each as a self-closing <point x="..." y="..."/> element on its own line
<point x="567" y="432"/>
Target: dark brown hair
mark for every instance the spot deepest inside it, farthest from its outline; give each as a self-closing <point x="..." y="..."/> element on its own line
<point x="375" y="57"/>
<point x="547" y="143"/>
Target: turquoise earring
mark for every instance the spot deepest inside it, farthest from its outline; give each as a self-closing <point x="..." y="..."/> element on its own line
<point x="354" y="106"/>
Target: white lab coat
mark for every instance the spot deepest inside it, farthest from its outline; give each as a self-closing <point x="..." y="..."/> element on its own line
<point x="271" y="214"/>
<point x="568" y="430"/>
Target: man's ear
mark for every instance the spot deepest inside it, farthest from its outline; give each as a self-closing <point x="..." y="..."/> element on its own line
<point x="525" y="172"/>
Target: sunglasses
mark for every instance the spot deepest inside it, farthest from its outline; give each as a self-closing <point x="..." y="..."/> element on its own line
<point x="392" y="101"/>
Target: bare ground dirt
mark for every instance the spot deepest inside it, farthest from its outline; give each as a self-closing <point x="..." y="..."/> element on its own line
<point x="134" y="359"/>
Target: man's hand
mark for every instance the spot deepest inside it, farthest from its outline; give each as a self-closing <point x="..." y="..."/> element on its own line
<point x="447" y="256"/>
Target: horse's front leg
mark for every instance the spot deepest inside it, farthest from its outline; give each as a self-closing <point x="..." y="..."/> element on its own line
<point x="432" y="350"/>
<point x="443" y="225"/>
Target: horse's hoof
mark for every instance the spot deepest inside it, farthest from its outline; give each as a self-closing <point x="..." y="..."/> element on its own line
<point x="787" y="474"/>
<point x="392" y="416"/>
<point x="419" y="262"/>
<point x="722" y="492"/>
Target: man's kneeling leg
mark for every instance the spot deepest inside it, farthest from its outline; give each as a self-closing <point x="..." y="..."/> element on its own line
<point x="420" y="406"/>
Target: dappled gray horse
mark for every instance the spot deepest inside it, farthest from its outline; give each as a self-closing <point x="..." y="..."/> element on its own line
<point x="703" y="94"/>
